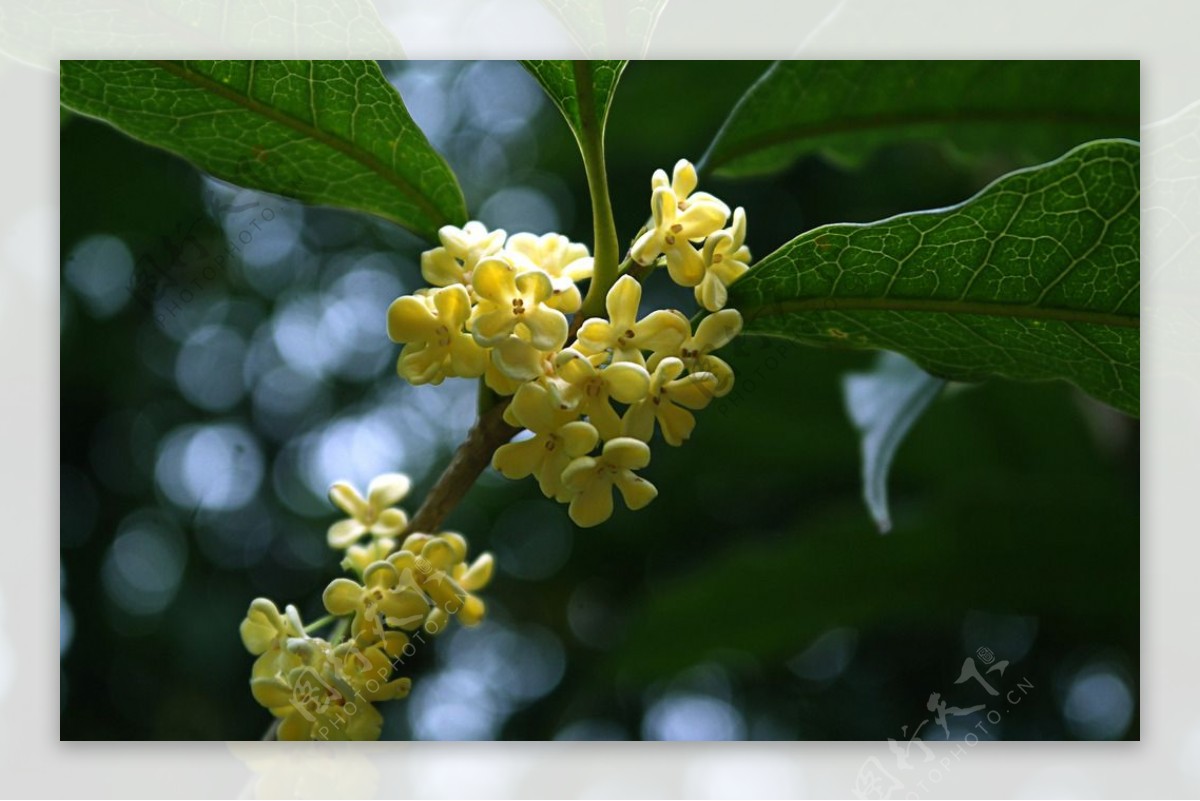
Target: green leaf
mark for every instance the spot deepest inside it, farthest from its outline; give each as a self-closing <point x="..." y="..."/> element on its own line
<point x="883" y="404"/>
<point x="582" y="91"/>
<point x="1034" y="278"/>
<point x="845" y="109"/>
<point x="333" y="133"/>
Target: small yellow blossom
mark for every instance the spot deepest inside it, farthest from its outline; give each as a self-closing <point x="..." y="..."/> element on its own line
<point x="436" y="345"/>
<point x="558" y="438"/>
<point x="579" y="385"/>
<point x="462" y="249"/>
<point x="266" y="633"/>
<point x="437" y="565"/>
<point x="512" y="301"/>
<point x="625" y="335"/>
<point x="726" y="258"/>
<point x="680" y="217"/>
<point x="374" y="514"/>
<point x="666" y="401"/>
<point x="312" y="706"/>
<point x="368" y="670"/>
<point x="566" y="263"/>
<point x="264" y="627"/>
<point x="714" y="332"/>
<point x="380" y="598"/>
<point x="590" y="480"/>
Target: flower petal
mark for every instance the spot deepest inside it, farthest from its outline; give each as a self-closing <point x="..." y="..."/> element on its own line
<point x="685" y="264"/>
<point x="345" y="533"/>
<point x="622" y="303"/>
<point x="605" y="419"/>
<point x="684" y="178"/>
<point x="407" y="607"/>
<point x="702" y="218"/>
<point x="627" y="382"/>
<point x="535" y="285"/>
<point x="467" y="358"/>
<point x="492" y="324"/>
<point x="695" y="391"/>
<point x="721" y="369"/>
<point x="626" y="452"/>
<point x="345" y="497"/>
<point x="478" y="574"/>
<point x="578" y="438"/>
<point x="675" y="422"/>
<point x="342" y="596"/>
<point x="409" y="319"/>
<point x="495" y="279"/>
<point x="635" y="490"/>
<point x="516" y="460"/>
<point x="638" y="421"/>
<point x="380" y="575"/>
<point x="593" y="505"/>
<point x="518" y="359"/>
<point x="547" y="327"/>
<point x="390" y="523"/>
<point x="661" y="330"/>
<point x="453" y="305"/>
<point x="579" y="473"/>
<point x="440" y="268"/>
<point x="716" y="330"/>
<point x="387" y="490"/>
<point x="711" y="292"/>
<point x="595" y="335"/>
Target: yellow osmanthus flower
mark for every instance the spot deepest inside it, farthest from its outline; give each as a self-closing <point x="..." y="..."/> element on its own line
<point x="681" y="216"/>
<point x="431" y="325"/>
<point x="314" y="703"/>
<point x="374" y="514"/>
<point x="512" y="301"/>
<point x="461" y="250"/>
<point x="566" y="263"/>
<point x="668" y="402"/>
<point x="625" y="335"/>
<point x="696" y="351"/>
<point x="368" y="670"/>
<point x="559" y="437"/>
<point x="590" y="481"/>
<point x="437" y="565"/>
<point x="381" y="598"/>
<point x="265" y="633"/>
<point x="580" y="386"/>
<point x="726" y="258"/>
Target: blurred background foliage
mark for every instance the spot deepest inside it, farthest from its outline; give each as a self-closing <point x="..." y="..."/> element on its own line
<point x="752" y="599"/>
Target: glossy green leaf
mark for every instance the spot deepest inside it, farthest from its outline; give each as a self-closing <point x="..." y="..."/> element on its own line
<point x="1033" y="110"/>
<point x="581" y="90"/>
<point x="883" y="404"/>
<point x="1034" y="278"/>
<point x="332" y="133"/>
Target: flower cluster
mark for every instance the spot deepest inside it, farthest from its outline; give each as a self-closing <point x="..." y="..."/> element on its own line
<point x="326" y="689"/>
<point x="498" y="309"/>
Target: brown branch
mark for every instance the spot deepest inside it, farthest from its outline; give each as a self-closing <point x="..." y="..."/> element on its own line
<point x="472" y="457"/>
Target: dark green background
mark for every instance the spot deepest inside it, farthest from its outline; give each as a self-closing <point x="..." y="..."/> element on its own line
<point x="1015" y="506"/>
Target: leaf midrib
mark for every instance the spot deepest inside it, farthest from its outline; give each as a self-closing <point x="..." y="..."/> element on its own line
<point x="432" y="214"/>
<point x="881" y="122"/>
<point x="937" y="306"/>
